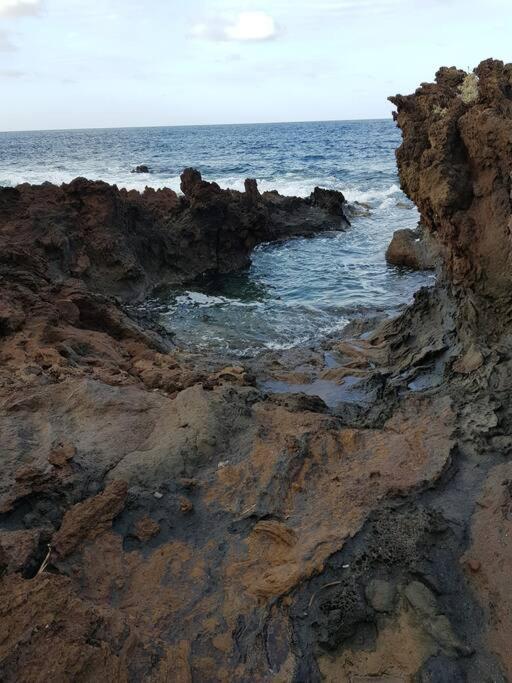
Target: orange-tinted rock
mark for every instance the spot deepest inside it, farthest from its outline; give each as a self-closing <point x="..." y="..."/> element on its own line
<point x="489" y="559"/>
<point x="454" y="163"/>
<point x="86" y="520"/>
<point x="61" y="455"/>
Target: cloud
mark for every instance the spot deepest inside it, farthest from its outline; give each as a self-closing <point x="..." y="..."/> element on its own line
<point x="244" y="27"/>
<point x="18" y="8"/>
<point x="11" y="73"/>
<point x="5" y="42"/>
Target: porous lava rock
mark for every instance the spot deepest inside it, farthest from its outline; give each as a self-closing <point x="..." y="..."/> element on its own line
<point x="162" y="518"/>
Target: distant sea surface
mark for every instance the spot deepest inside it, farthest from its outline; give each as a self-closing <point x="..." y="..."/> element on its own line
<point x="294" y="293"/>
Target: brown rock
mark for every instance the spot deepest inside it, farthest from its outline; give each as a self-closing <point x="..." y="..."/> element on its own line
<point x="19" y="547"/>
<point x="61" y="455"/>
<point x="86" y="520"/>
<point x="145" y="529"/>
<point x="68" y="310"/>
<point x="474" y="565"/>
<point x="409" y="248"/>
<point x="463" y="197"/>
<point x="186" y="505"/>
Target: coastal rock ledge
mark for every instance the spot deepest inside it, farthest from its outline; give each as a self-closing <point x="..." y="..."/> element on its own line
<point x="164" y="519"/>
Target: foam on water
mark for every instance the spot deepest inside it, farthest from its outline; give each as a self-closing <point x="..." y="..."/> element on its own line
<point x="294" y="293"/>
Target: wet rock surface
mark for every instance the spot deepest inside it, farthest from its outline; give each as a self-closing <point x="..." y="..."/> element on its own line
<point x="166" y="516"/>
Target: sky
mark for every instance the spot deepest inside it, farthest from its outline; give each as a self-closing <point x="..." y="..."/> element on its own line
<point x="108" y="63"/>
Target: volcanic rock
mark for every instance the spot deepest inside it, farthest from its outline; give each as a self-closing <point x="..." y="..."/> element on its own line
<point x="322" y="545"/>
<point x="412" y="249"/>
<point x="454" y="163"/>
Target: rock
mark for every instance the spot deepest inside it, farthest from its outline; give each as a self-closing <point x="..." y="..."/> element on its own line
<point x="69" y="311"/>
<point x="186" y="505"/>
<point x="422" y="599"/>
<point x="331" y="201"/>
<point x="85" y="521"/>
<point x="296" y="506"/>
<point x="61" y="454"/>
<point x="469" y="362"/>
<point x="381" y="595"/>
<point x="464" y="199"/>
<point x="125" y="243"/>
<point x="146" y="529"/>
<point x="437" y="625"/>
<point x="474" y="565"/>
<point x="251" y="190"/>
<point x="18" y="548"/>
<point x="411" y="249"/>
<point x="141" y="169"/>
<point x="356" y="209"/>
<point x="11" y="318"/>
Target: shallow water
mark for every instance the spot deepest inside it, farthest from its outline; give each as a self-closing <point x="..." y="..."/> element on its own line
<point x="294" y="293"/>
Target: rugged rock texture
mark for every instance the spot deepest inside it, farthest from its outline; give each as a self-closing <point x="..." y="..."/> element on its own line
<point x="165" y="518"/>
<point x="125" y="243"/>
<point x="455" y="164"/>
<point x="412" y="249"/>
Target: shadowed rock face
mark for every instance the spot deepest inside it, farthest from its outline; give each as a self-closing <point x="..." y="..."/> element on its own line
<point x="455" y="163"/>
<point x="125" y="243"/>
<point x="163" y="519"/>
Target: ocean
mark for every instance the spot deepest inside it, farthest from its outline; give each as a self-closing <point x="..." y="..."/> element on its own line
<point x="295" y="293"/>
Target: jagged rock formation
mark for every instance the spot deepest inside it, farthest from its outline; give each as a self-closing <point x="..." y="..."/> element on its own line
<point x="162" y="518"/>
<point x="125" y="243"/>
<point x="455" y="165"/>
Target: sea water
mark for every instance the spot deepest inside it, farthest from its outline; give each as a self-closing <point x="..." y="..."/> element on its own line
<point x="294" y="293"/>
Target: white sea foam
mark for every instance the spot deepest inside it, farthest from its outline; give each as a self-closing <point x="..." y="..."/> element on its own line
<point x="201" y="300"/>
<point x="371" y="196"/>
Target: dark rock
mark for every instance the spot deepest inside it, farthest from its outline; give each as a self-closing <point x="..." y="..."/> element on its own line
<point x="141" y="169"/>
<point x="381" y="595"/>
<point x="331" y="201"/>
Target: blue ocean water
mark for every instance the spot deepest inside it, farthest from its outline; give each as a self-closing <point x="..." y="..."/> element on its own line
<point x="294" y="293"/>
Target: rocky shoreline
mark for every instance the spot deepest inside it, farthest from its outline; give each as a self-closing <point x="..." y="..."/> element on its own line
<point x="165" y="517"/>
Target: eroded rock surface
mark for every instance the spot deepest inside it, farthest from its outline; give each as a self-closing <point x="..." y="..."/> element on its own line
<point x="164" y="517"/>
<point x="412" y="249"/>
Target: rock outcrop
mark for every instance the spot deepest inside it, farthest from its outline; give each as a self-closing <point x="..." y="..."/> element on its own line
<point x="126" y="243"/>
<point x="141" y="169"/>
<point x="412" y="249"/>
<point x="162" y="518"/>
<point x="455" y="164"/>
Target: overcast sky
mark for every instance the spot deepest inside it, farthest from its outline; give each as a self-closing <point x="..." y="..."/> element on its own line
<point x="101" y="63"/>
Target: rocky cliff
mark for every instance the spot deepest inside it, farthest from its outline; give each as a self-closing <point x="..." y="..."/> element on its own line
<point x="455" y="164"/>
<point x="164" y="519"/>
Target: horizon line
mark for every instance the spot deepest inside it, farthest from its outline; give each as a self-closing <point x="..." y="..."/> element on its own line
<point x="192" y="125"/>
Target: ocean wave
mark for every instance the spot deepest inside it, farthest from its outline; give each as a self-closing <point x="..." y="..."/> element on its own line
<point x="371" y="196"/>
<point x="201" y="300"/>
<point x="285" y="185"/>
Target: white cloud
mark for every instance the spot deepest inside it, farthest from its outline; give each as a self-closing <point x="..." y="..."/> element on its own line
<point x="244" y="27"/>
<point x="16" y="8"/>
<point x="11" y="73"/>
<point x="5" y="42"/>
